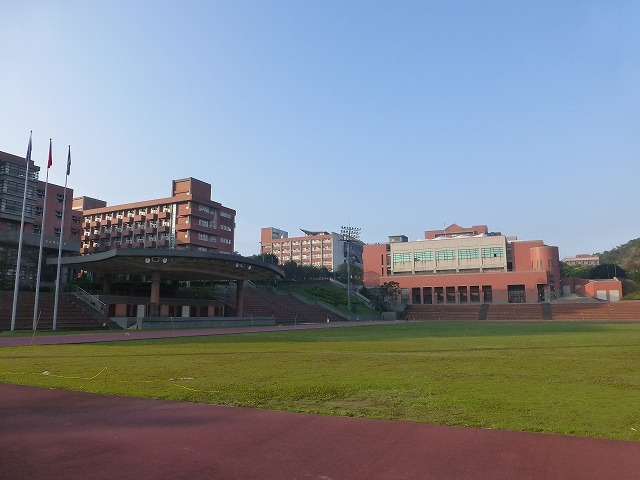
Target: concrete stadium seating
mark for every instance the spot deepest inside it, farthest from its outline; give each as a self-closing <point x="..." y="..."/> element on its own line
<point x="555" y="311"/>
<point x="70" y="315"/>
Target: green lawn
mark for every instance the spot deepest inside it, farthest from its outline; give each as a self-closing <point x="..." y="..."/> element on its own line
<point x="572" y="378"/>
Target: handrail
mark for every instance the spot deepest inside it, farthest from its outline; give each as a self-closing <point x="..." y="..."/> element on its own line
<point x="90" y="299"/>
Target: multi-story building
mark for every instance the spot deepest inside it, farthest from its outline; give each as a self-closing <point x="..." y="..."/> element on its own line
<point x="316" y="248"/>
<point x="188" y="220"/>
<point x="12" y="183"/>
<point x="583" y="259"/>
<point x="463" y="265"/>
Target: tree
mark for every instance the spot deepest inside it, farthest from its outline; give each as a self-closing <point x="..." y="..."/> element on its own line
<point x="578" y="271"/>
<point x="597" y="272"/>
<point x="266" y="257"/>
<point x="375" y="296"/>
<point x="391" y="291"/>
<point x="291" y="270"/>
<point x="357" y="274"/>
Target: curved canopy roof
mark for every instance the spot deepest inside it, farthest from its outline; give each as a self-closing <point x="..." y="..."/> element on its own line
<point x="173" y="264"/>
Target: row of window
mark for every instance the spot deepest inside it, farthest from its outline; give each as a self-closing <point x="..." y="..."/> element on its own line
<point x="16" y="188"/>
<point x="17" y="170"/>
<point x="15" y="207"/>
<point x="463" y="253"/>
<point x="287" y="243"/>
<point x="128" y="213"/>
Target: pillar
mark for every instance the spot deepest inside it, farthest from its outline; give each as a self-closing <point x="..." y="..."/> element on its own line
<point x="154" y="301"/>
<point x="106" y="284"/>
<point x="239" y="298"/>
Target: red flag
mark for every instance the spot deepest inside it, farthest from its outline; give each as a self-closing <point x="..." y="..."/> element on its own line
<point x="50" y="156"/>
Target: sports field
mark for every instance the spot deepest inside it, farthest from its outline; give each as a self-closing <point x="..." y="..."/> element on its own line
<point x="572" y="378"/>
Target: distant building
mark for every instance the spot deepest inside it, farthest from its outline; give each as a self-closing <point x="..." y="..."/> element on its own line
<point x="12" y="182"/>
<point x="454" y="230"/>
<point x="583" y="259"/>
<point x="188" y="220"/>
<point x="316" y="248"/>
<point x="465" y="265"/>
<point x="607" y="289"/>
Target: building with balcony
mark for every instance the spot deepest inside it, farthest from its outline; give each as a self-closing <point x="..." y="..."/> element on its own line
<point x="465" y="265"/>
<point x="187" y="220"/>
<point x="583" y="259"/>
<point x="316" y="248"/>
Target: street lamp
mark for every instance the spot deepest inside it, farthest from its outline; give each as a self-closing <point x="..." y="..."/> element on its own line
<point x="348" y="235"/>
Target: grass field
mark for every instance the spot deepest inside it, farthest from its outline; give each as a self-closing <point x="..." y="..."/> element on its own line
<point x="572" y="378"/>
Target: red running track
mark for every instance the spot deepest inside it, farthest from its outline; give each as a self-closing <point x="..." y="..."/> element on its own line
<point x="55" y="434"/>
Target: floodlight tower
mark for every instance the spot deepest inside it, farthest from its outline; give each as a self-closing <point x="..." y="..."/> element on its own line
<point x="348" y="235"/>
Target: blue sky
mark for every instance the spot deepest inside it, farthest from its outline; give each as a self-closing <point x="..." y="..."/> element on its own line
<point x="395" y="117"/>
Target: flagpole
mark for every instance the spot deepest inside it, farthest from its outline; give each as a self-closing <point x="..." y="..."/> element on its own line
<point x="44" y="217"/>
<point x="24" y="206"/>
<point x="64" y="203"/>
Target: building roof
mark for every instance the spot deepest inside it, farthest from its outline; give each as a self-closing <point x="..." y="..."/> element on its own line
<point x="173" y="264"/>
<point x="313" y="232"/>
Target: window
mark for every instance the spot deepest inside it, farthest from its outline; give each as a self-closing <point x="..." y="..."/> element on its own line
<point x="402" y="257"/>
<point x="58" y="215"/>
<point x="445" y="255"/>
<point x="468" y="253"/>
<point x="423" y="256"/>
<point x="487" y="294"/>
<point x="492" y="252"/>
<point x="203" y="208"/>
<point x="203" y="223"/>
<point x="516" y="294"/>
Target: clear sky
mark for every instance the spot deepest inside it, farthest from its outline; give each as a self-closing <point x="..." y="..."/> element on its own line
<point x="393" y="116"/>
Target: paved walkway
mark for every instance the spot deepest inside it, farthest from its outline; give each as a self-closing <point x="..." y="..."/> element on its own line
<point x="47" y="434"/>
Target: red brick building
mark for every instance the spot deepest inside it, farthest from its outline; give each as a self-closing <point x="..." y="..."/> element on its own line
<point x="315" y="248"/>
<point x="465" y="265"/>
<point x="187" y="220"/>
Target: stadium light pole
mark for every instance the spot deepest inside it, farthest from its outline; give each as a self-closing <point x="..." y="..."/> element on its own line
<point x="348" y="235"/>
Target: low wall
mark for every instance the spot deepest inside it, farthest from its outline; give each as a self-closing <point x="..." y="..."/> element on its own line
<point x="159" y="323"/>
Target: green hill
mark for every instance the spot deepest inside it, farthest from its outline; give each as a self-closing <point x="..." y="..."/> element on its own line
<point x="627" y="256"/>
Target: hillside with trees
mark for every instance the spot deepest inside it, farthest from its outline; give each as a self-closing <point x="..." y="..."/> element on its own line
<point x="622" y="262"/>
<point x="627" y="255"/>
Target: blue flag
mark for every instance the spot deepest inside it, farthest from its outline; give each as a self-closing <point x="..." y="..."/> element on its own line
<point x="28" y="157"/>
<point x="69" y="161"/>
